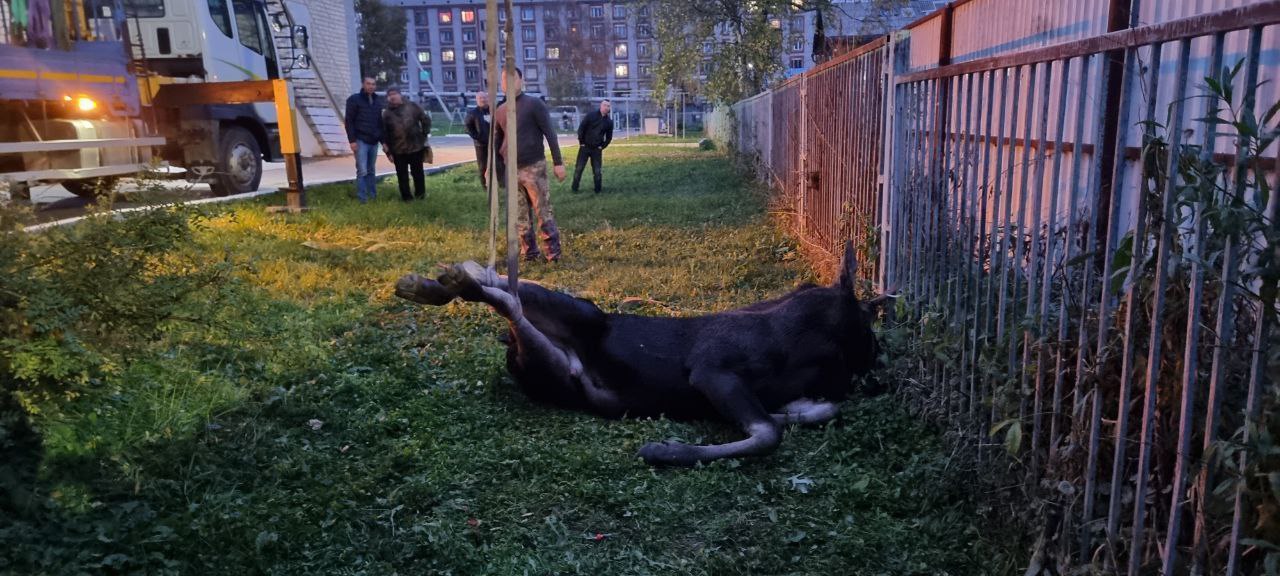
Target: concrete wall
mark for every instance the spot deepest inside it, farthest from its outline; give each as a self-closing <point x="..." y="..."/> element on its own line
<point x="334" y="44"/>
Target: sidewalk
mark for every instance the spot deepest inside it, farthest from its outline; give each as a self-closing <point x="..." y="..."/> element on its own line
<point x="54" y="204"/>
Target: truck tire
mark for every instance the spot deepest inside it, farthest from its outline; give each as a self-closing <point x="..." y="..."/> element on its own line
<point x="91" y="188"/>
<point x="239" y="163"/>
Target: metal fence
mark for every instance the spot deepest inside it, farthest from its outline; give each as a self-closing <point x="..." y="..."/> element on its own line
<point x="1080" y="216"/>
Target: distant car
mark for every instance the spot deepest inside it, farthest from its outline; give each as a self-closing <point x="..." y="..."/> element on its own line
<point x="566" y="117"/>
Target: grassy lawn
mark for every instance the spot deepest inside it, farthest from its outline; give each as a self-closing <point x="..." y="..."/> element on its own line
<point x="310" y="423"/>
<point x="691" y="136"/>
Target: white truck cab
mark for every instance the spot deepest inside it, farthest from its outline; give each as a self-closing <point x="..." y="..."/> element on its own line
<point x="191" y="41"/>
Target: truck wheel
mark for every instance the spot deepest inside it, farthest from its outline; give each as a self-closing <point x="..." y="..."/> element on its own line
<point x="91" y="188"/>
<point x="239" y="163"/>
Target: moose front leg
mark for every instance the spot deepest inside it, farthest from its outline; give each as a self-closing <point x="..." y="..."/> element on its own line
<point x="735" y="401"/>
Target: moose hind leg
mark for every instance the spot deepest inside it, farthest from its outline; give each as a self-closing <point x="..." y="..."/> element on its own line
<point x="805" y="411"/>
<point x="735" y="401"/>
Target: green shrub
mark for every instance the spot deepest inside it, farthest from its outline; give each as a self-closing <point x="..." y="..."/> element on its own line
<point x="75" y="304"/>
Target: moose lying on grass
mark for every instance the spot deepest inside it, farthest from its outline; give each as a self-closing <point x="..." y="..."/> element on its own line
<point x="773" y="363"/>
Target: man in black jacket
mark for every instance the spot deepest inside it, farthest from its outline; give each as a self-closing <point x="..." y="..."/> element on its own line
<point x="594" y="135"/>
<point x="478" y="128"/>
<point x="364" y="133"/>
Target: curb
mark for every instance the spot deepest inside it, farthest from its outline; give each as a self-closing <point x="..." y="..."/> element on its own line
<point x="232" y="198"/>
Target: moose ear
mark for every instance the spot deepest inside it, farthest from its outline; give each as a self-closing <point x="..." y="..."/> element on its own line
<point x="849" y="268"/>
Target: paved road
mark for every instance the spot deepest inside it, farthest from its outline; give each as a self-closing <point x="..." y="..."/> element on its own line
<point x="53" y="202"/>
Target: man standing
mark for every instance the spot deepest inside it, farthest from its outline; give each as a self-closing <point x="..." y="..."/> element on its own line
<point x="595" y="132"/>
<point x="534" y="123"/>
<point x="405" y="128"/>
<point x="478" y="128"/>
<point x="364" y="132"/>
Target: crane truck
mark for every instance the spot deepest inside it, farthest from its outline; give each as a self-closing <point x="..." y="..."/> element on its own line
<point x="95" y="90"/>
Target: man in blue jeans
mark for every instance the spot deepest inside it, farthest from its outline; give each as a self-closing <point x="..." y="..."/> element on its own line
<point x="364" y="132"/>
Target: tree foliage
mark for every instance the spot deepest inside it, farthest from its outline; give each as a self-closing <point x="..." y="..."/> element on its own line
<point x="747" y="41"/>
<point x="382" y="40"/>
<point x="747" y="44"/>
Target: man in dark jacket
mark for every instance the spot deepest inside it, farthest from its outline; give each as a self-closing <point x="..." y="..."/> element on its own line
<point x="534" y="124"/>
<point x="478" y="128"/>
<point x="364" y="133"/>
<point x="405" y="128"/>
<point x="595" y="132"/>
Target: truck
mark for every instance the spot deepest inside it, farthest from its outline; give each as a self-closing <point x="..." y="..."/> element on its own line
<point x="95" y="90"/>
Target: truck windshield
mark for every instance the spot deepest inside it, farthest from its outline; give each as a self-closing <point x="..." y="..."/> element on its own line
<point x="144" y="8"/>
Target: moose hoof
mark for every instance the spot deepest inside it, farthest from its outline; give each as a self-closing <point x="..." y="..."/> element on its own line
<point x="421" y="290"/>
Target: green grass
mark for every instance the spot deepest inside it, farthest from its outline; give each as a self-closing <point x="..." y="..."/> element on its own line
<point x="311" y="423"/>
<point x="691" y="136"/>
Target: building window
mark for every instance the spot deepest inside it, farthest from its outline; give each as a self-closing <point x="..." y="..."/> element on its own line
<point x="619" y="12"/>
<point x="446" y="55"/>
<point x="445" y="16"/>
<point x="797" y="62"/>
<point x="526" y="14"/>
<point x="450" y="75"/>
<point x="529" y="34"/>
<point x="597" y="31"/>
<point x="472" y="74"/>
<point x="619" y="30"/>
<point x="549" y="13"/>
<point x="644" y="11"/>
<point x="775" y="23"/>
<point x="643" y="49"/>
<point x="471" y="55"/>
<point x="620" y="50"/>
<point x="621" y="71"/>
<point x="468" y="16"/>
<point x="797" y="45"/>
<point x="424" y="57"/>
<point x="706" y="47"/>
<point x="531" y="73"/>
<point x="646" y="70"/>
<point x="597" y="49"/>
<point x="424" y="75"/>
<point x="404" y="77"/>
<point x="706" y="68"/>
<point x="553" y="52"/>
<point x="598" y="91"/>
<point x="597" y="11"/>
<point x="531" y="53"/>
<point x="446" y="36"/>
<point x="644" y="31"/>
<point x="551" y="33"/>
<point x="420" y="17"/>
<point x="468" y="35"/>
<point x="423" y="36"/>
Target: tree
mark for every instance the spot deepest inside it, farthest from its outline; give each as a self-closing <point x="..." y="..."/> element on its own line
<point x="747" y="40"/>
<point x="579" y="53"/>
<point x="382" y="37"/>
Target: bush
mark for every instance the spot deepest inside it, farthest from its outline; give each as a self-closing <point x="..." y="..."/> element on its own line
<point x="706" y="144"/>
<point x="75" y="304"/>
